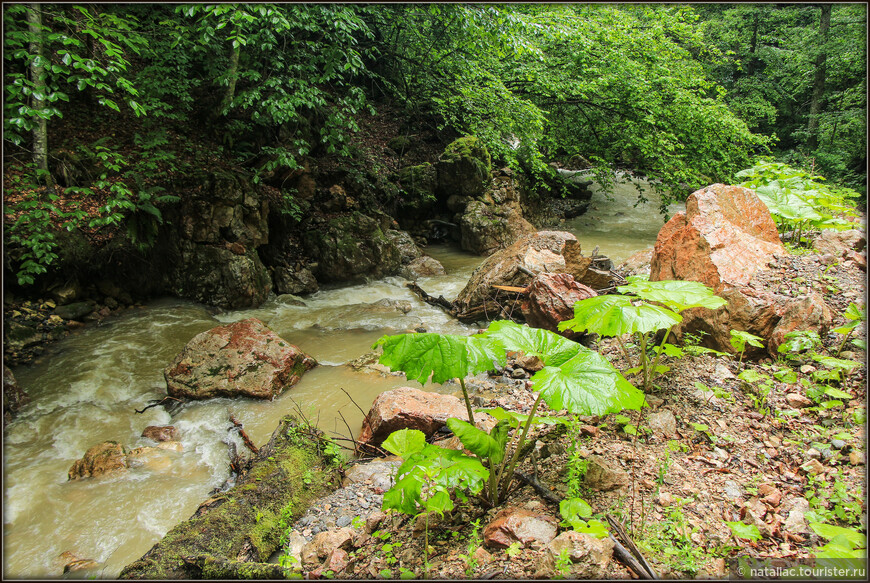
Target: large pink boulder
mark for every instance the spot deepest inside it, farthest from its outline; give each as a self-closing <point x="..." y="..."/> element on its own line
<point x="725" y="235"/>
<point x="240" y="359"/>
<point x="550" y="299"/>
<point x="410" y="408"/>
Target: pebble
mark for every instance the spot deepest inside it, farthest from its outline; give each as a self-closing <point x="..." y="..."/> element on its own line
<point x="838" y="443"/>
<point x="814" y="454"/>
<point x="732" y="490"/>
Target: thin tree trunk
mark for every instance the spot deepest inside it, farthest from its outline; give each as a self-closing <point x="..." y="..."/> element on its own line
<point x="819" y="79"/>
<point x="37" y="77"/>
<point x="233" y="75"/>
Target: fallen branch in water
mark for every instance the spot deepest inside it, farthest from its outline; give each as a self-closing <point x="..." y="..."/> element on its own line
<point x="248" y="443"/>
<point x="157" y="403"/>
<point x="439" y="302"/>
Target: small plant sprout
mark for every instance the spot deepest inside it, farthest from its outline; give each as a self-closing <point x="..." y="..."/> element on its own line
<point x="855" y="316"/>
<point x="577" y="514"/>
<point x="744" y="531"/>
<point x="739" y="340"/>
<point x="618" y="315"/>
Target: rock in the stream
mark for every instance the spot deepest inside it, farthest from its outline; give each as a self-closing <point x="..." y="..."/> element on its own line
<point x="104" y="458"/>
<point x="550" y="300"/>
<point x="161" y="432"/>
<point x="495" y="221"/>
<point x="512" y="525"/>
<point x="14" y="396"/>
<point x="409" y="408"/>
<point x="422" y="267"/>
<point x="240" y="359"/>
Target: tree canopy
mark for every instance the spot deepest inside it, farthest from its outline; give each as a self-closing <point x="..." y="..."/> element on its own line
<point x="683" y="94"/>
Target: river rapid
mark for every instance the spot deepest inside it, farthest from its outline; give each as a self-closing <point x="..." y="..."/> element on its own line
<point x="87" y="387"/>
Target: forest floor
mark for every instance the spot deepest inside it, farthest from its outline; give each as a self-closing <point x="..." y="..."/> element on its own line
<point x="775" y="452"/>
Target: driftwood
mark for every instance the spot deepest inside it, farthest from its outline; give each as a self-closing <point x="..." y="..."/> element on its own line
<point x="248" y="443"/>
<point x="439" y="302"/>
<point x="632" y="557"/>
<point x="542" y="490"/>
<point x="163" y="401"/>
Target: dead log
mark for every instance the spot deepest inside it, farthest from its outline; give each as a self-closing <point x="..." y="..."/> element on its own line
<point x="248" y="443"/>
<point x="246" y="522"/>
<point x="439" y="302"/>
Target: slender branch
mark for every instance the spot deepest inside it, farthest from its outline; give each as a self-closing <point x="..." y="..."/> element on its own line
<point x="515" y="458"/>
<point x="467" y="401"/>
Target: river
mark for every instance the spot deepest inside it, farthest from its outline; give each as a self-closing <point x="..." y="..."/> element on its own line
<point x="87" y="387"/>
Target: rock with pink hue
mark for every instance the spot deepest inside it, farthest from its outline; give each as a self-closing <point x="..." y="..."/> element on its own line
<point x="104" y="458"/>
<point x="240" y="359"/>
<point x="513" y="525"/>
<point x="410" y="408"/>
<point x="161" y="432"/>
<point x="336" y="562"/>
<point x="725" y="235"/>
<point x="517" y="266"/>
<point x="637" y="264"/>
<point x="550" y="299"/>
<point x="762" y="313"/>
<point x="839" y="243"/>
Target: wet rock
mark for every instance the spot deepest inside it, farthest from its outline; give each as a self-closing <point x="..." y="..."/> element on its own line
<point x="66" y="294"/>
<point x="409" y="408"/>
<point x="161" y="432"/>
<point x="390" y="305"/>
<point x="240" y="359"/>
<point x="550" y="299"/>
<point x="495" y="221"/>
<point x="589" y="556"/>
<point x="287" y="280"/>
<point x="408" y="250"/>
<point x="663" y="423"/>
<point x="216" y="276"/>
<point x="150" y="458"/>
<point x="72" y="563"/>
<point x="14" y="397"/>
<point x="725" y="235"/>
<point x="463" y="168"/>
<point x="422" y="267"/>
<point x="105" y="458"/>
<point x="603" y="476"/>
<point x="512" y="525"/>
<point x="517" y="265"/>
<point x="351" y="247"/>
<point x="74" y="311"/>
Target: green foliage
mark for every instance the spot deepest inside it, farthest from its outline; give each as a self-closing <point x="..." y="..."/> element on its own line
<point x="854" y="317"/>
<point x="474" y="540"/>
<point x="798" y="200"/>
<point x="799" y="341"/>
<point x="744" y="531"/>
<point x="740" y="338"/>
<point x="577" y="514"/>
<point x="617" y="315"/>
<point x="573" y="378"/>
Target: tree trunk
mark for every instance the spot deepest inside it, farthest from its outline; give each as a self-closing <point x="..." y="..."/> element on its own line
<point x="233" y="75"/>
<point x="819" y="79"/>
<point x="37" y="77"/>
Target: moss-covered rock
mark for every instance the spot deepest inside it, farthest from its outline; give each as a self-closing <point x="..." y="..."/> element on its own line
<point x="464" y="168"/>
<point x="352" y="247"/>
<point x="244" y="524"/>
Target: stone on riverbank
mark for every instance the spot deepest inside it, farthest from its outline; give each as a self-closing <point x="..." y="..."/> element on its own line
<point x="550" y="299"/>
<point x="240" y="359"/>
<point x="409" y="408"/>
<point x="517" y="266"/>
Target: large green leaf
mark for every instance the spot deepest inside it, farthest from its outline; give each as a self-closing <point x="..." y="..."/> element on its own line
<point x="550" y="347"/>
<point x="829" y="531"/>
<point x="442" y="356"/>
<point x="675" y="294"/>
<point x="586" y="385"/>
<point x="615" y="315"/>
<point x="405" y="442"/>
<point x="479" y="442"/>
